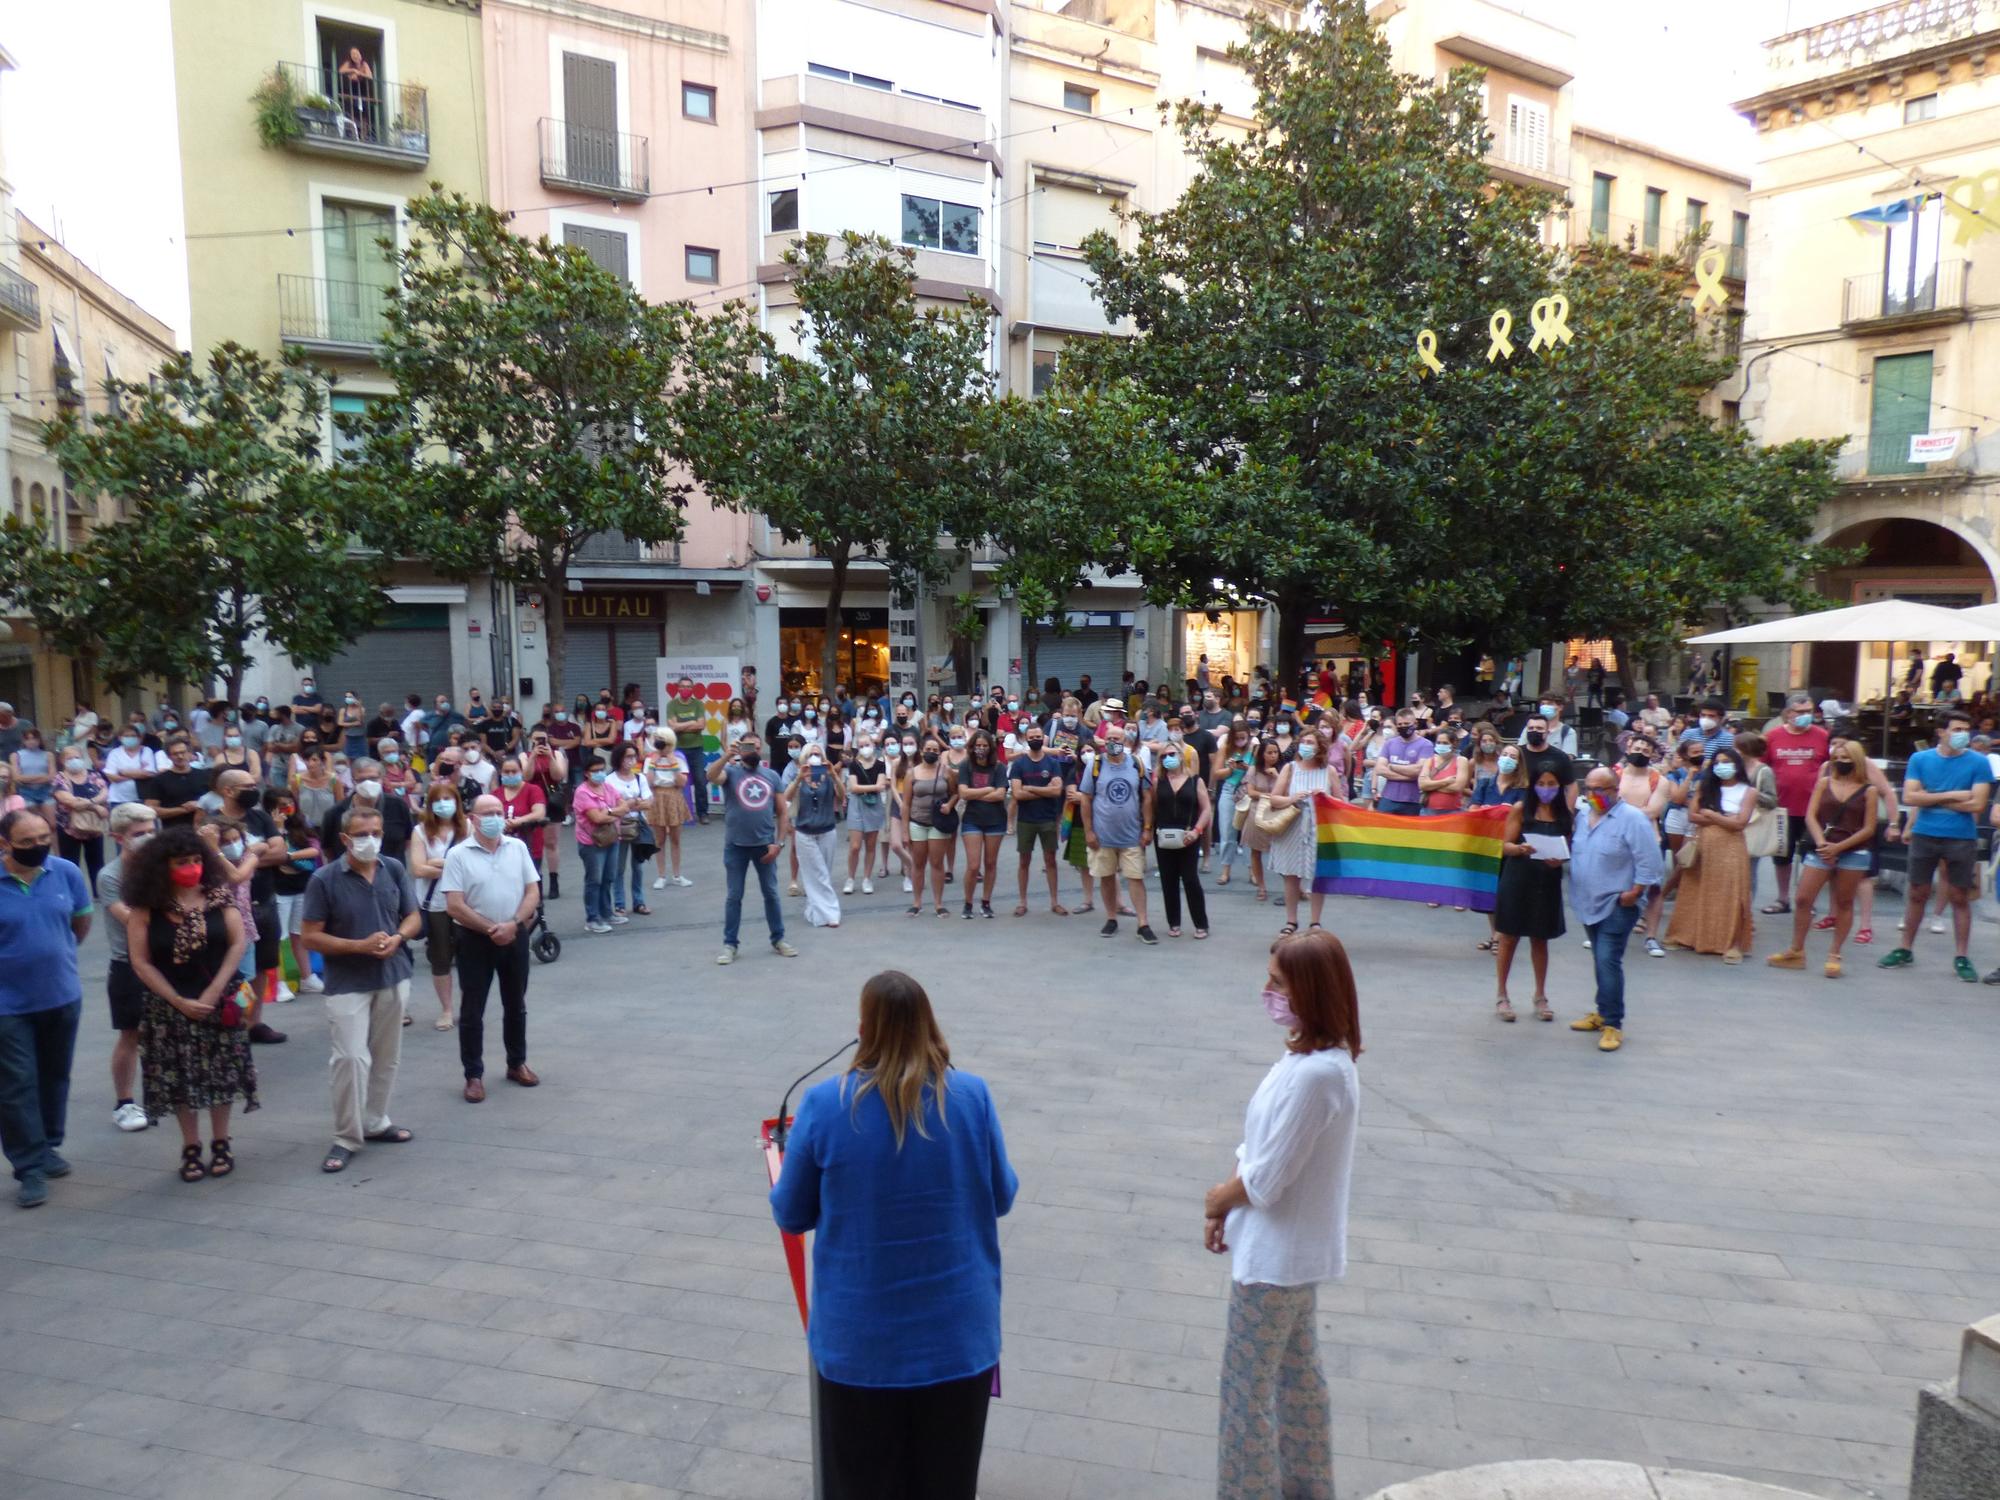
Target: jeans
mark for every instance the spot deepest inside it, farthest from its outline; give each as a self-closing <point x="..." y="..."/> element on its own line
<point x="35" y="1052"/>
<point x="1230" y="846"/>
<point x="638" y="870"/>
<point x="480" y="962"/>
<point x="597" y="881"/>
<point x="1607" y="952"/>
<point x="736" y="858"/>
<point x="697" y="759"/>
<point x="621" y="857"/>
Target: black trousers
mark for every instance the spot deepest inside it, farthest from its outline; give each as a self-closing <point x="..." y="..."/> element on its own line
<point x="88" y="853"/>
<point x="480" y="962"/>
<point x="1180" y="870"/>
<point x="909" y="1443"/>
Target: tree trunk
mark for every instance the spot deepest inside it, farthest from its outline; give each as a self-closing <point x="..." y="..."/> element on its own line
<point x="555" y="584"/>
<point x="1291" y="644"/>
<point x="1030" y="639"/>
<point x="829" y="654"/>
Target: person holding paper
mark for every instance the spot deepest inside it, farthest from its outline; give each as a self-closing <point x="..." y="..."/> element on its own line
<point x="899" y="1170"/>
<point x="1614" y="860"/>
<point x="1529" y="903"/>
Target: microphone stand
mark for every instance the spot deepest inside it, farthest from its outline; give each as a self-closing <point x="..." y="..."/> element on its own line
<point x="784" y="1126"/>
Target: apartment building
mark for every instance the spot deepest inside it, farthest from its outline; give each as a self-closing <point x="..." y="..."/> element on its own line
<point x="304" y="128"/>
<point x="1883" y="330"/>
<point x="624" y="128"/>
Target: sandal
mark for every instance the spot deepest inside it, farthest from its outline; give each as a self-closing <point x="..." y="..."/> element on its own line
<point x="1542" y="1011"/>
<point x="191" y="1168"/>
<point x="442" y="1023"/>
<point x="395" y="1135"/>
<point x="913" y="911"/>
<point x="1823" y="924"/>
<point x="337" y="1158"/>
<point x="1201" y="934"/>
<point x="1173" y="932"/>
<point x="1262" y="894"/>
<point x="221" y="1160"/>
<point x="1776" y="908"/>
<point x="642" y="910"/>
<point x="1486" y="944"/>
<point x="1865" y="935"/>
<point x="1222" y="882"/>
<point x="1021" y="910"/>
<point x="1058" y="910"/>
<point x="1503" y="1009"/>
<point x="1288" y="929"/>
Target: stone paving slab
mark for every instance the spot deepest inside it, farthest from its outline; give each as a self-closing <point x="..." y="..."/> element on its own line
<point x="1740" y="1245"/>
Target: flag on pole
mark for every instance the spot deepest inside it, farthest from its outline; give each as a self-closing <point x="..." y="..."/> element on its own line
<point x="1883" y="214"/>
<point x="1452" y="858"/>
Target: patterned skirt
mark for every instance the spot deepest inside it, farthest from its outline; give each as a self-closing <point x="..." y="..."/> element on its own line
<point x="187" y="1064"/>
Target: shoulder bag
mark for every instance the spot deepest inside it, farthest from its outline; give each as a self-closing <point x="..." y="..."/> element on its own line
<point x="1273" y="821"/>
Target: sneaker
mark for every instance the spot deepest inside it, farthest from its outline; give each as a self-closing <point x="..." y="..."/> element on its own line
<point x="284" y="994"/>
<point x="312" y="985"/>
<point x="33" y="1191"/>
<point x="681" y="880"/>
<point x="727" y="955"/>
<point x="619" y="919"/>
<point x="1937" y="924"/>
<point x="847" y="889"/>
<point x="1148" y="937"/>
<point x="1653" y="948"/>
<point x="1591" y="1022"/>
<point x="1993" y="978"/>
<point x="53" y="1164"/>
<point x="784" y="949"/>
<point x="659" y="882"/>
<point x="596" y="926"/>
<point x="794" y="889"/>
<point x="1109" y="929"/>
<point x="1896" y="958"/>
<point x="1586" y="945"/>
<point x="906" y="884"/>
<point x="867" y="887"/>
<point x="129" y="1116"/>
<point x="262" y="1033"/>
<point x="1962" y="967"/>
<point x="1611" y="1041"/>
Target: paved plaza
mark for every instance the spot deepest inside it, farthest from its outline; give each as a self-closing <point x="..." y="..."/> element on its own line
<point x="1741" y="1244"/>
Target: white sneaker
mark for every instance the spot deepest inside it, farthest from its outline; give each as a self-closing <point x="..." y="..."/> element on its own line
<point x="596" y="926"/>
<point x="682" y="880"/>
<point x="284" y="994"/>
<point x="1653" y="948"/>
<point x="727" y="955"/>
<point x="906" y="884"/>
<point x="784" y="949"/>
<point x="847" y="889"/>
<point x="312" y="985"/>
<point x="867" y="887"/>
<point x="660" y="883"/>
<point x="795" y="890"/>
<point x="129" y="1116"/>
<point x="619" y="919"/>
<point x="1937" y="924"/>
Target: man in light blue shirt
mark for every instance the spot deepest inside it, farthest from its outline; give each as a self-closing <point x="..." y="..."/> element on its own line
<point x="1711" y="730"/>
<point x="1614" y="858"/>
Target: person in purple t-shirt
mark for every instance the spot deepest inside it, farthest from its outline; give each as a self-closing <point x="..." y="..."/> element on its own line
<point x="1404" y="755"/>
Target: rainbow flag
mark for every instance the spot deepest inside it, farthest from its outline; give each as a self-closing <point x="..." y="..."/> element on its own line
<point x="1453" y="859"/>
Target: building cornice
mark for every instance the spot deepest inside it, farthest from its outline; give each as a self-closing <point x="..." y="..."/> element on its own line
<point x="1845" y="88"/>
<point x="1095" y="64"/>
<point x="58" y="263"/>
<point x="778" y="274"/>
<point x="1644" y="148"/>
<point x="608" y="19"/>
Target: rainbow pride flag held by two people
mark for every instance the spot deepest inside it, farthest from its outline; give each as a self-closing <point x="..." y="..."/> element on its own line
<point x="1453" y="858"/>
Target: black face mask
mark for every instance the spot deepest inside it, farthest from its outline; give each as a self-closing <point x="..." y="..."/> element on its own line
<point x="930" y="757"/>
<point x="247" y="798"/>
<point x="1638" y="760"/>
<point x="751" y="760"/>
<point x="32" y="856"/>
<point x="1035" y="746"/>
<point x="1536" y="739"/>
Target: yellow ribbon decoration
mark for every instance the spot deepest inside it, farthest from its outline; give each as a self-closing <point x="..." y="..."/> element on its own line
<point x="1427" y="351"/>
<point x="1551" y="320"/>
<point x="1500" y="325"/>
<point x="1708" y="278"/>
<point x="1967" y="200"/>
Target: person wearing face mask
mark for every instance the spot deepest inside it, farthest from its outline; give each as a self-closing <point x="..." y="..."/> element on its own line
<point x="1117" y="826"/>
<point x="739" y="723"/>
<point x="1841" y="824"/>
<point x="1712" y="914"/>
<point x="932" y="820"/>
<point x="82" y="810"/>
<point x="491" y="891"/>
<point x="1795" y="751"/>
<point x="899" y="754"/>
<point x="351" y="721"/>
<point x="1562" y="734"/>
<point x="1614" y="862"/>
<point x="756" y="824"/>
<point x="371" y="789"/>
<point x="1282" y="1218"/>
<point x="440" y="723"/>
<point x="1400" y="767"/>
<point x="1231" y="765"/>
<point x="45" y="912"/>
<point x="979" y="784"/>
<point x="1294" y="849"/>
<point x="233" y="749"/>
<point x="442" y="826"/>
<point x="1540" y="753"/>
<point x="866" y="789"/>
<point x="776" y="729"/>
<point x="1948" y="788"/>
<point x="132" y="826"/>
<point x="477" y="770"/>
<point x="1037" y="782"/>
<point x="1180" y="817"/>
<point x="360" y="912"/>
<point x="1529" y="902"/>
<point x="816" y="799"/>
<point x="1711" y="730"/>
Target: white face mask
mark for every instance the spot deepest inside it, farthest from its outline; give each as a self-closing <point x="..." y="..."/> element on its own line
<point x="370" y="790"/>
<point x="365" y="848"/>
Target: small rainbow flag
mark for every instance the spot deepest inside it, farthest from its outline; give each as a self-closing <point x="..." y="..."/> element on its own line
<point x="1453" y="858"/>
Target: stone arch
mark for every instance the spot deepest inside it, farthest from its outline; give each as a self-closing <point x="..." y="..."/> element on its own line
<point x="1962" y="520"/>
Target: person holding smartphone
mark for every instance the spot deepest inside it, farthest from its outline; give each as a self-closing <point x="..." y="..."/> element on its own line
<point x="756" y="825"/>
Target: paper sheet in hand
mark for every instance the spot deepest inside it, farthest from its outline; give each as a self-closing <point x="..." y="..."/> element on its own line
<point x="1547" y="845"/>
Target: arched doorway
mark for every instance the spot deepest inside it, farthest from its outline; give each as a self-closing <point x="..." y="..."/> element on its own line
<point x="1903" y="557"/>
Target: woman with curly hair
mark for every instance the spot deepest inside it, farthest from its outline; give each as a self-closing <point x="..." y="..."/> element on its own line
<point x="186" y="936"/>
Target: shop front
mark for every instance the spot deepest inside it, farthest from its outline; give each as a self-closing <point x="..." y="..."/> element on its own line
<point x="861" y="656"/>
<point x="1228" y="638"/>
<point x="612" y="637"/>
<point x="1357" y="671"/>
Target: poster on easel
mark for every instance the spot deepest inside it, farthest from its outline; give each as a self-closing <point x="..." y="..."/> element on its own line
<point x="702" y="705"/>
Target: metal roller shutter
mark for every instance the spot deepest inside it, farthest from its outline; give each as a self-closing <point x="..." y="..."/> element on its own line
<point x="408" y="652"/>
<point x="638" y="648"/>
<point x="587" y="660"/>
<point x="1096" y="649"/>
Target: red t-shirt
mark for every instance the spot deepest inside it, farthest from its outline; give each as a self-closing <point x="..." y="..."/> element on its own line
<point x="1795" y="756"/>
<point x="519" y="802"/>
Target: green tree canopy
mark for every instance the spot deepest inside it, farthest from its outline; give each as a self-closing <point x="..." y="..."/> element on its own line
<point x="227" y="534"/>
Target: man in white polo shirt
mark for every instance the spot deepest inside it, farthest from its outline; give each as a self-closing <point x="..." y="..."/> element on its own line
<point x="491" y="890"/>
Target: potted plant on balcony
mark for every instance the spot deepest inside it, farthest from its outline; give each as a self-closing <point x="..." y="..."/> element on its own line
<point x="317" y="116"/>
<point x="277" y="102"/>
<point x="411" y="126"/>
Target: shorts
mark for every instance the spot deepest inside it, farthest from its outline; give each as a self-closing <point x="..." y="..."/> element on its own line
<point x="1796" y="838"/>
<point x="291" y="912"/>
<point x="1130" y="863"/>
<point x="1959" y="856"/>
<point x="921" y="833"/>
<point x="1027" y="835"/>
<point x="128" y="996"/>
<point x="1853" y="859"/>
<point x="438" y="940"/>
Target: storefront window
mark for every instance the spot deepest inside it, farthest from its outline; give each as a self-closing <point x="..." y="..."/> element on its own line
<point x="862" y="653"/>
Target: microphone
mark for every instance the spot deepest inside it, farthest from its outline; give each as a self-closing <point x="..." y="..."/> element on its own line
<point x="783" y="1128"/>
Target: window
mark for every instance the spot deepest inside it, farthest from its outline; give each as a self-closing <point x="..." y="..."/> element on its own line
<point x="608" y="247"/>
<point x="1910" y="260"/>
<point x="1900" y="402"/>
<point x="348" y="446"/>
<point x="1656" y="207"/>
<point x="1079" y="98"/>
<point x="1739" y="230"/>
<point x="935" y="225"/>
<point x="1528" y="134"/>
<point x="1044" y="373"/>
<point x="1600" y="206"/>
<point x="1923" y="107"/>
<point x="703" y="265"/>
<point x="1697" y="215"/>
<point x="784" y="210"/>
<point x="1732" y="414"/>
<point x="867" y="81"/>
<point x="698" y="102"/>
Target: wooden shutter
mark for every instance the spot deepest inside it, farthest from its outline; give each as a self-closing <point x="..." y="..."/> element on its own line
<point x="590" y="118"/>
<point x="1528" y="133"/>
<point x="1901" y="408"/>
<point x="605" y="246"/>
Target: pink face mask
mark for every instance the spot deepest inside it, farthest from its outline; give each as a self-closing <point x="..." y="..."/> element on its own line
<point x="1278" y="1006"/>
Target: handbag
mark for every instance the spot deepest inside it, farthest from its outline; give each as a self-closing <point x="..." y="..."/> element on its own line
<point x="1273" y="821"/>
<point x="1765" y="834"/>
<point x="604" y="835"/>
<point x="88" y="820"/>
<point x="1171" y="838"/>
<point x="1688" y="853"/>
<point x="228" y="1013"/>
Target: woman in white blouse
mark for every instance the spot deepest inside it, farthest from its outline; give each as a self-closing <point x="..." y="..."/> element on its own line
<point x="1283" y="1218"/>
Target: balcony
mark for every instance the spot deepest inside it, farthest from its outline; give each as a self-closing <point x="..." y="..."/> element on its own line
<point x="1878" y="302"/>
<point x="616" y="547"/>
<point x="1530" y="161"/>
<point x="373" y="120"/>
<point x="336" y="317"/>
<point x="1886" y="455"/>
<point x="20" y="302"/>
<point x="602" y="162"/>
<point x="1061" y="294"/>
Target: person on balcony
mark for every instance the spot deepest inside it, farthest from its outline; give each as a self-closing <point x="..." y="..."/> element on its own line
<point x="357" y="93"/>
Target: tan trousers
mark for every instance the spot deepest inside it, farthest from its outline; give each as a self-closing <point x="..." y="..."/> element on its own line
<point x="367" y="1029"/>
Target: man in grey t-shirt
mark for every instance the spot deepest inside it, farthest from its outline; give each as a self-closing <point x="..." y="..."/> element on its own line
<point x="132" y="823"/>
<point x="755" y="826"/>
<point x="1117" y="826"/>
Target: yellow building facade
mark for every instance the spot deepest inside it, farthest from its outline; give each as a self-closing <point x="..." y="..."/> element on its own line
<point x="1885" y="331"/>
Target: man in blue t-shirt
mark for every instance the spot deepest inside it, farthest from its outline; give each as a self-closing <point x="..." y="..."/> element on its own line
<point x="1037" y="783"/>
<point x="44" y="913"/>
<point x="755" y="827"/>
<point x="1947" y="788"/>
<point x="1117" y="826"/>
<point x="1711" y="730"/>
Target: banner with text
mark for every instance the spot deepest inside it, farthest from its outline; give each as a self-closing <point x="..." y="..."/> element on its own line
<point x="700" y="706"/>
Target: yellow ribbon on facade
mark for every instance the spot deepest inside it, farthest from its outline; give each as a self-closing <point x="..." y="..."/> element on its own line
<point x="1500" y="325"/>
<point x="1427" y="351"/>
<point x="1975" y="203"/>
<point x="1551" y="319"/>
<point x="1708" y="279"/>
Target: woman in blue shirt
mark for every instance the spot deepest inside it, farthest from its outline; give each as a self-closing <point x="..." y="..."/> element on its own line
<point x="900" y="1169"/>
